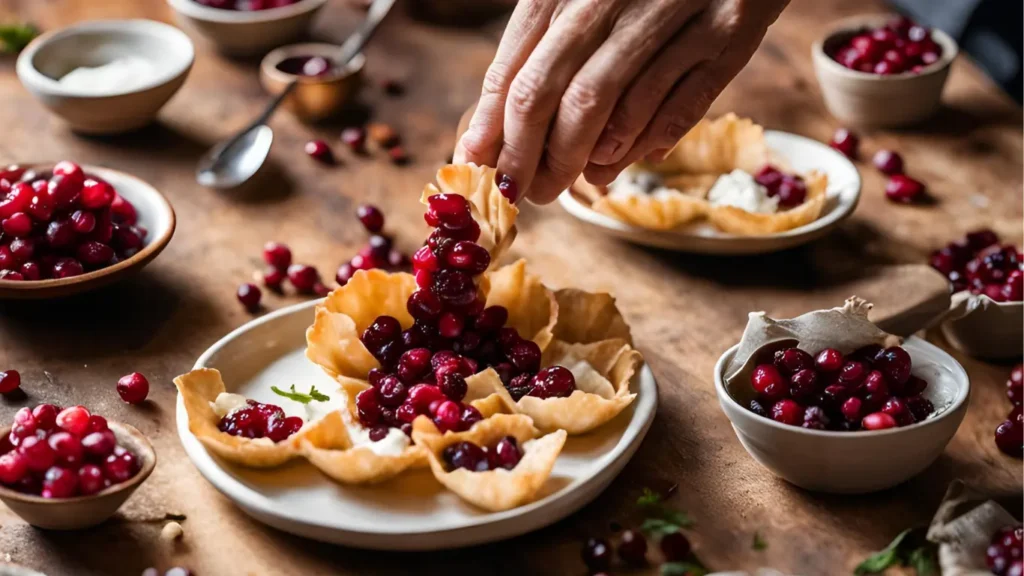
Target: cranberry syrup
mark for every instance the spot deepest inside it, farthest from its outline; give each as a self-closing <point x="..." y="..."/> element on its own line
<point x="871" y="389"/>
<point x="423" y="368"/>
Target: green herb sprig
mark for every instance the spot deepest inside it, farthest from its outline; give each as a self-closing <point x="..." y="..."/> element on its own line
<point x="661" y="519"/>
<point x="14" y="37"/>
<point x="312" y="396"/>
<point x="909" y="548"/>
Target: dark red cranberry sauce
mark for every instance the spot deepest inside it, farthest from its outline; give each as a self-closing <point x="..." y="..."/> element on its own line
<point x="980" y="264"/>
<point x="789" y="188"/>
<point x="62" y="223"/>
<point x="898" y="47"/>
<point x="63" y="453"/>
<point x="259" y="420"/>
<point x="870" y="389"/>
<point x="424" y="367"/>
<point x="504" y="454"/>
<point x="310" y="66"/>
<point x="246" y="5"/>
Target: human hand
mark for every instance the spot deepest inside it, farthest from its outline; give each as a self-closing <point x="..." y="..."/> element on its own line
<point x="591" y="86"/>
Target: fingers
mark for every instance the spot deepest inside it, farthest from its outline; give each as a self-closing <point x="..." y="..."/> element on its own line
<point x="592" y="94"/>
<point x="534" y="97"/>
<point x="482" y="141"/>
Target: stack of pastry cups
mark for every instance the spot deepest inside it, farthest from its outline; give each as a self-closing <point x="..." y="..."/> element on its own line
<point x="710" y="149"/>
<point x="568" y="325"/>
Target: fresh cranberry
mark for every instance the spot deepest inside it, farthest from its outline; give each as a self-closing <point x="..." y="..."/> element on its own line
<point x="878" y="421"/>
<point x="119" y="467"/>
<point x="423" y="305"/>
<point x="888" y="162"/>
<point x="383" y="330"/>
<point x="64" y="190"/>
<point x="46" y="416"/>
<point x="414" y="364"/>
<point x="371" y="217"/>
<point x="450" y="209"/>
<point x="792" y="360"/>
<point x="851" y="409"/>
<point x="13" y="467"/>
<point x="914" y="386"/>
<point x="303" y="277"/>
<point x="18" y="225"/>
<point x="90" y="479"/>
<point x="98" y="445"/>
<point x="453" y="287"/>
<point x="845" y="142"/>
<point x="97" y="423"/>
<point x="448" y="415"/>
<point x="354" y="138"/>
<point x="903" y="189"/>
<point x="814" y="418"/>
<point x="468" y="256"/>
<point x="1009" y="438"/>
<point x="17" y="199"/>
<point x="505" y="454"/>
<point x="453" y="385"/>
<point x="69" y="450"/>
<point x="392" y="392"/>
<point x="597" y="554"/>
<point x="525" y="355"/>
<point x="898" y="409"/>
<point x="768" y="382"/>
<point x="633" y="547"/>
<point x="792" y="192"/>
<point x="422" y="395"/>
<point x="895" y="364"/>
<point x="829" y="360"/>
<point x="60" y="483"/>
<point x="94" y="254"/>
<point x="67" y="267"/>
<point x="74" y="420"/>
<point x="133" y="388"/>
<point x="465" y="455"/>
<point x="25" y="423"/>
<point x="277" y="255"/>
<point x="96" y="194"/>
<point x="770" y="177"/>
<point x="1014" y="385"/>
<point x="37" y="453"/>
<point x="470" y="415"/>
<point x="803" y="384"/>
<point x="450" y="325"/>
<point x="787" y="411"/>
<point x="31" y="271"/>
<point x="10" y="381"/>
<point x="874" y="383"/>
<point x="852" y="373"/>
<point x="319" y="151"/>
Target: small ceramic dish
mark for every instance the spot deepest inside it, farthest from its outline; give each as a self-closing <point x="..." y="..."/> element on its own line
<point x="855" y="462"/>
<point x="155" y="215"/>
<point x="313" y="98"/>
<point x="985" y="328"/>
<point x="84" y="511"/>
<point x="246" y="33"/>
<point x="49" y="57"/>
<point x="865" y="99"/>
<point x="801" y="154"/>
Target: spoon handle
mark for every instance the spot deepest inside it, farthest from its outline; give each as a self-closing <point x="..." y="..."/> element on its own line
<point x="355" y="42"/>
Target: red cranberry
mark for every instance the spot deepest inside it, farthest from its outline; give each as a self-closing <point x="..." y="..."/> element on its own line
<point x="450" y="209"/>
<point x="74" y="420"/>
<point x="98" y="445"/>
<point x="60" y="233"/>
<point x="814" y="418"/>
<point x="454" y="287"/>
<point x="414" y="364"/>
<point x="919" y="406"/>
<point x="770" y="177"/>
<point x="46" y="416"/>
<point x="491" y="319"/>
<point x="1009" y="438"/>
<point x="803" y="384"/>
<point x="874" y="383"/>
<point x="24" y="423"/>
<point x="897" y="408"/>
<point x="18" y="225"/>
<point x="792" y="360"/>
<point x="94" y="254"/>
<point x="468" y="256"/>
<point x="67" y="448"/>
<point x="792" y="192"/>
<point x="371" y="217"/>
<point x="895" y="364"/>
<point x="448" y="415"/>
<point x="96" y="423"/>
<point x="914" y="386"/>
<point x="96" y="194"/>
<point x="119" y="467"/>
<point x="37" y="453"/>
<point x="90" y="479"/>
<point x="13" y="467"/>
<point x="505" y="454"/>
<point x="768" y="382"/>
<point x="83" y="222"/>
<point x="319" y="151"/>
<point x="303" y="277"/>
<point x="450" y="325"/>
<point x="392" y="392"/>
<point x="354" y="138"/>
<point x="9" y="381"/>
<point x="67" y="267"/>
<point x="63" y="190"/>
<point x="423" y="305"/>
<point x="279" y="429"/>
<point x="597" y="554"/>
<point x="903" y="189"/>
<point x="633" y="547"/>
<point x="249" y="295"/>
<point x="852" y="374"/>
<point x="22" y="249"/>
<point x="878" y="421"/>
<point x="133" y="388"/>
<point x="980" y="239"/>
<point x="465" y="455"/>
<point x="888" y="162"/>
<point x="845" y="142"/>
<point x="421" y="395"/>
<point x="851" y="409"/>
<point x="829" y="360"/>
<point x="383" y="330"/>
<point x="425" y="259"/>
<point x="1014" y="385"/>
<point x="453" y="385"/>
<point x="31" y="271"/>
<point x="60" y="483"/>
<point x="277" y="255"/>
<point x="787" y="411"/>
<point x="123" y="212"/>
<point x="525" y="355"/>
<point x="469" y="416"/>
<point x="508" y="187"/>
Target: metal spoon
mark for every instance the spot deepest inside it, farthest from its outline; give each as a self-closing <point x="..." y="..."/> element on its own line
<point x="234" y="161"/>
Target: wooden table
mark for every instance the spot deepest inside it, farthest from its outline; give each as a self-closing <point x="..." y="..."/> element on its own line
<point x="684" y="309"/>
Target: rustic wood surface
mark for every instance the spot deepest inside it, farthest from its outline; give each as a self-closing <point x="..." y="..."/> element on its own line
<point x="684" y="309"/>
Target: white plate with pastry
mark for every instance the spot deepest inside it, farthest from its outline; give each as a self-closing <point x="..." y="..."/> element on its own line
<point x="707" y="196"/>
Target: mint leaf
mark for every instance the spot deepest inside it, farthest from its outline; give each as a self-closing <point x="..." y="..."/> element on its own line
<point x="312" y="396"/>
<point x="923" y="560"/>
<point x="679" y="518"/>
<point x="649" y="498"/>
<point x="758" y="543"/>
<point x="14" y="37"/>
<point x="883" y="559"/>
<point x="682" y="569"/>
<point x="656" y="527"/>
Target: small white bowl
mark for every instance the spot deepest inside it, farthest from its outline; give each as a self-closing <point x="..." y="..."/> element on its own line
<point x="54" y="54"/>
<point x="856" y="462"/>
<point x="994" y="331"/>
<point x="241" y="33"/>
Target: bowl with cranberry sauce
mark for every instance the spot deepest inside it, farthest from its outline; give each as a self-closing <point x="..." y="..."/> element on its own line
<point x="882" y="70"/>
<point x="323" y="88"/>
<point x="246" y="27"/>
<point x="986" y="276"/>
<point x="67" y="469"/>
<point x="66" y="228"/>
<point x="846" y="422"/>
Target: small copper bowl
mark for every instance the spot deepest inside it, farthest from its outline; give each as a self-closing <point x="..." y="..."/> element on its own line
<point x="84" y="511"/>
<point x="314" y="98"/>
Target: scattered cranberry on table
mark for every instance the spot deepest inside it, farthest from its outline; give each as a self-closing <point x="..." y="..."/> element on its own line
<point x="888" y="162"/>
<point x="980" y="264"/>
<point x="597" y="554"/>
<point x="1009" y="434"/>
<point x="246" y="5"/>
<point x="900" y="46"/>
<point x="1004" y="553"/>
<point x="379" y="251"/>
<point x="870" y="389"/>
<point x="633" y="547"/>
<point x="355" y="138"/>
<point x="259" y="420"/>
<point x="133" y="388"/>
<point x="505" y="453"/>
<point x="846" y="143"/>
<point x="57" y="453"/>
<point x="62" y="223"/>
<point x="319" y="151"/>
<point x="904" y="189"/>
<point x="10" y="381"/>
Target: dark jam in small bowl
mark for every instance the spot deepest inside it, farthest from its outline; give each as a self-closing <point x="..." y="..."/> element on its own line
<point x="309" y="66"/>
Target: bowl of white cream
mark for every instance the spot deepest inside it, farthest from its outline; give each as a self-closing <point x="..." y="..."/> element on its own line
<point x="107" y="76"/>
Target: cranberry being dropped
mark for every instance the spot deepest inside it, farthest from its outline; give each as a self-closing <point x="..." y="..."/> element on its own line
<point x="133" y="388"/>
<point x="57" y="454"/>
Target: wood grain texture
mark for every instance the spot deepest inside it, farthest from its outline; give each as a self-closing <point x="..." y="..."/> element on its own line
<point x="684" y="309"/>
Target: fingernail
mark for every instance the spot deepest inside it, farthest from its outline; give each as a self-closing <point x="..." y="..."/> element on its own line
<point x="604" y="152"/>
<point x="507" y="186"/>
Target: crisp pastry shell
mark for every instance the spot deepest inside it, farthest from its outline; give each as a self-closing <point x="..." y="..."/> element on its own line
<point x="494" y="490"/>
<point x="586" y="317"/>
<point x="648" y="211"/>
<point x="738" y="221"/>
<point x="716" y="147"/>
<point x="492" y="211"/>
<point x="532" y="308"/>
<point x="200" y="387"/>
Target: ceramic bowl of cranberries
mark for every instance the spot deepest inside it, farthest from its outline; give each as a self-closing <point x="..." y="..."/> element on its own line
<point x="66" y="468"/>
<point x="846" y="422"/>
<point x="880" y="70"/>
<point x="991" y="324"/>
<point x="246" y="27"/>
<point x="66" y="228"/>
<point x="323" y="88"/>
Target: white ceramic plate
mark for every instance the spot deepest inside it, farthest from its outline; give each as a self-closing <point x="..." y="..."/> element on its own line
<point x="412" y="512"/>
<point x="802" y="154"/>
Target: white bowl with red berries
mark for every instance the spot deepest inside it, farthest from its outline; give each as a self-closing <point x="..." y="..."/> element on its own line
<point x="66" y="228"/>
<point x="882" y="70"/>
<point x="846" y="422"/>
<point x="246" y="27"/>
<point x="986" y="277"/>
<point x="67" y="469"/>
